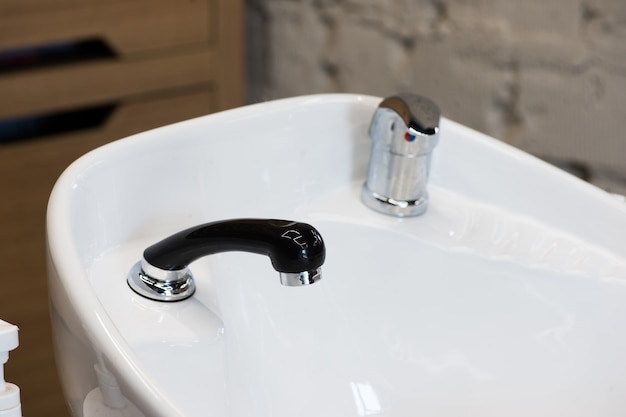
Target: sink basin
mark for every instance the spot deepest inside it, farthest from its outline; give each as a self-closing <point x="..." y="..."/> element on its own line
<point x="508" y="297"/>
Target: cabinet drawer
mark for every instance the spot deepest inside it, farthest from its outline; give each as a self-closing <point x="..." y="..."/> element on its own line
<point x="125" y="26"/>
<point x="138" y="114"/>
<point x="28" y="93"/>
<point x="94" y="126"/>
<point x="21" y="6"/>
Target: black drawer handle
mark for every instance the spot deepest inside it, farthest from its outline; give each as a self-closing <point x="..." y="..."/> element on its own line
<point x="35" y="126"/>
<point x="56" y="53"/>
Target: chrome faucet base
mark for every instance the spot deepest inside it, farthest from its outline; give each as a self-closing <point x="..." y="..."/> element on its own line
<point x="391" y="207"/>
<point x="161" y="285"/>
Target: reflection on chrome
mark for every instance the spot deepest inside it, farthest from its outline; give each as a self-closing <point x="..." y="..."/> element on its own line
<point x="367" y="402"/>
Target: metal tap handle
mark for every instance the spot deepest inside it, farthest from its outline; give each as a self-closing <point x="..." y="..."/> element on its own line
<point x="407" y="124"/>
<point x="418" y="112"/>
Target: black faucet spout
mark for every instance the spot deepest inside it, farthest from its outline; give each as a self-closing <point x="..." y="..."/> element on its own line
<point x="296" y="250"/>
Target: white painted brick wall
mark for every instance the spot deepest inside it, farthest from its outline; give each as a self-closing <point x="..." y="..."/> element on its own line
<point x="548" y="76"/>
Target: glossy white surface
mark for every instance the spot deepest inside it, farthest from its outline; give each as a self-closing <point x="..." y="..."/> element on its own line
<point x="507" y="297"/>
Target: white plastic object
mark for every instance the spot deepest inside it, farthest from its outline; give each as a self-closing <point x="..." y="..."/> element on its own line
<point x="111" y="393"/>
<point x="94" y="406"/>
<point x="10" y="405"/>
<point x="107" y="400"/>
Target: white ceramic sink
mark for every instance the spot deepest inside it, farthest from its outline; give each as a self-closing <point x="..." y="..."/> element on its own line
<point x="507" y="298"/>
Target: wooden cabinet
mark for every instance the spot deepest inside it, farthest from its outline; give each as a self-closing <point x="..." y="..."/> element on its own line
<point x="136" y="65"/>
<point x="125" y="51"/>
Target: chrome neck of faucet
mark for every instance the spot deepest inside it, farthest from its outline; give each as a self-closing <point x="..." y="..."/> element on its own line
<point x="404" y="131"/>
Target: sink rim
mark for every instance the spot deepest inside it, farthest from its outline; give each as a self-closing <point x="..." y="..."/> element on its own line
<point x="89" y="306"/>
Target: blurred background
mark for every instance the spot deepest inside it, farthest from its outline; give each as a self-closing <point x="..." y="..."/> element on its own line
<point x="546" y="76"/>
